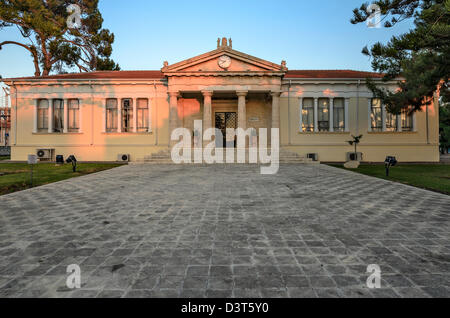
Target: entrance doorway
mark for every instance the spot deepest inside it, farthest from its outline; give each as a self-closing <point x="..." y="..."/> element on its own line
<point x="226" y="120"/>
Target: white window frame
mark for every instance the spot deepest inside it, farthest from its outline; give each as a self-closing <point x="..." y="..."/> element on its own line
<point x="384" y="116"/>
<point x="315" y="109"/>
<point x="50" y="116"/>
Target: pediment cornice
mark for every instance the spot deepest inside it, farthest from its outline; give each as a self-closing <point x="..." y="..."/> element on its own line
<point x="262" y="67"/>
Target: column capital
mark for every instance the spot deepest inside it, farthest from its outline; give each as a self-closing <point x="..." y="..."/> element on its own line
<point x="207" y="93"/>
<point x="174" y="94"/>
<point x="275" y="93"/>
<point x="241" y="93"/>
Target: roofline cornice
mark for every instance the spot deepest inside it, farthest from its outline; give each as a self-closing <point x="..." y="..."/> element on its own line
<point x="150" y="81"/>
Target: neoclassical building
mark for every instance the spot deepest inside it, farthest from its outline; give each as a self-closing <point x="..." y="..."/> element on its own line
<point x="99" y="116"/>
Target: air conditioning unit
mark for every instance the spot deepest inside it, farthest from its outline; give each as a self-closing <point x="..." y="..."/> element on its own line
<point x="351" y="156"/>
<point x="44" y="154"/>
<point x="123" y="158"/>
<point x="313" y="156"/>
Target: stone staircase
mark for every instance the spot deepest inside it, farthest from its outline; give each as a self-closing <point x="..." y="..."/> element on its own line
<point x="286" y="157"/>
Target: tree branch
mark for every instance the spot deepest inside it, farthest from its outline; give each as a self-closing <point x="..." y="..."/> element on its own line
<point x="31" y="50"/>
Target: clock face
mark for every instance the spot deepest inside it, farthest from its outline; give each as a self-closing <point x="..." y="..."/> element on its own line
<point x="224" y="61"/>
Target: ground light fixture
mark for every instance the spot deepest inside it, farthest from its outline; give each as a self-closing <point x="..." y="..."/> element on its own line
<point x="390" y="162"/>
<point x="71" y="159"/>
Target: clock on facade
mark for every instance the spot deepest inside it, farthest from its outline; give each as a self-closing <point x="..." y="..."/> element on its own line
<point x="224" y="61"/>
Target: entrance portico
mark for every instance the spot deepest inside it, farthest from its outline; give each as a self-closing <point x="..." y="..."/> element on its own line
<point x="224" y="80"/>
<point x="262" y="106"/>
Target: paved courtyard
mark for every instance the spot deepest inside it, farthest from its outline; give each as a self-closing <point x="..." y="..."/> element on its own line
<point x="225" y="231"/>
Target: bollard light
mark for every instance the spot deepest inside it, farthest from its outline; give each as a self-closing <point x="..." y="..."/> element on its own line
<point x="73" y="161"/>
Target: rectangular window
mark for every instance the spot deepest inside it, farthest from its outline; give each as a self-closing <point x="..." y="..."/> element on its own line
<point x="376" y="115"/>
<point x="74" y="115"/>
<point x="308" y="115"/>
<point x="127" y="115"/>
<point x="111" y="115"/>
<point x="142" y="115"/>
<point x="42" y="115"/>
<point x="58" y="115"/>
<point x="407" y="119"/>
<point x="391" y="122"/>
<point x="324" y="114"/>
<point x="339" y="114"/>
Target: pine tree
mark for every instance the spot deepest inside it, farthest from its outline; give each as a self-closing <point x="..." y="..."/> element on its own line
<point x="56" y="39"/>
<point x="444" y="130"/>
<point x="420" y="57"/>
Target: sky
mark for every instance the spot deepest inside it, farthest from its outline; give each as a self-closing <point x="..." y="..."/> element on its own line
<point x="307" y="34"/>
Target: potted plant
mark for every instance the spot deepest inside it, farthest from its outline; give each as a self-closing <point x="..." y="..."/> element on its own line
<point x="355" y="142"/>
<point x="353" y="164"/>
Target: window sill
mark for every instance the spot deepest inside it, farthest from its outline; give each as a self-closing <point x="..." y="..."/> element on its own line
<point x="57" y="134"/>
<point x="127" y="133"/>
<point x="392" y="132"/>
<point x="324" y="133"/>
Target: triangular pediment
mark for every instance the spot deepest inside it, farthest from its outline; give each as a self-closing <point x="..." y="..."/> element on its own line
<point x="235" y="62"/>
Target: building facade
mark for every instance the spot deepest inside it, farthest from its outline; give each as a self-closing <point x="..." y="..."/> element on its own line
<point x="98" y="116"/>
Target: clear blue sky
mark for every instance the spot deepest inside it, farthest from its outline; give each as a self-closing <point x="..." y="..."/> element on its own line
<point x="307" y="34"/>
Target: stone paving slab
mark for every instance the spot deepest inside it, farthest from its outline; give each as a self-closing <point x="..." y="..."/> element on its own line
<point x="225" y="231"/>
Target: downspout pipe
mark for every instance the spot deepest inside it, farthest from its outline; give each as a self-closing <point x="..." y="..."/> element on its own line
<point x="357" y="107"/>
<point x="289" y="111"/>
<point x="92" y="113"/>
<point x="428" y="125"/>
<point x="155" y="104"/>
<point x="15" y="112"/>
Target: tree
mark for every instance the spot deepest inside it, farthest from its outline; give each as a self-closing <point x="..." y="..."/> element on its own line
<point x="355" y="142"/>
<point x="60" y="34"/>
<point x="420" y="57"/>
<point x="444" y="129"/>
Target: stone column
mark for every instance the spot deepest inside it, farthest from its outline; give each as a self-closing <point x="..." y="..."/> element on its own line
<point x="207" y="110"/>
<point x="301" y="115"/>
<point x="331" y="118"/>
<point x="50" y="116"/>
<point x="104" y="115"/>
<point x="80" y="113"/>
<point x="399" y="123"/>
<point x="135" y="115"/>
<point x="35" y="116"/>
<point x="384" y="116"/>
<point x="150" y="107"/>
<point x="66" y="116"/>
<point x="369" y="110"/>
<point x="316" y="114"/>
<point x="119" y="115"/>
<point x="276" y="109"/>
<point x="346" y="115"/>
<point x="242" y="109"/>
<point x="173" y="114"/>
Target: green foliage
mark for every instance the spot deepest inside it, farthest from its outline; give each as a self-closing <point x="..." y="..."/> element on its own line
<point x="444" y="127"/>
<point x="52" y="44"/>
<point x="420" y="57"/>
<point x="16" y="176"/>
<point x="431" y="177"/>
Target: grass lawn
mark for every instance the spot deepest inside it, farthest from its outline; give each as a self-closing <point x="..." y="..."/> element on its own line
<point x="431" y="177"/>
<point x="16" y="176"/>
